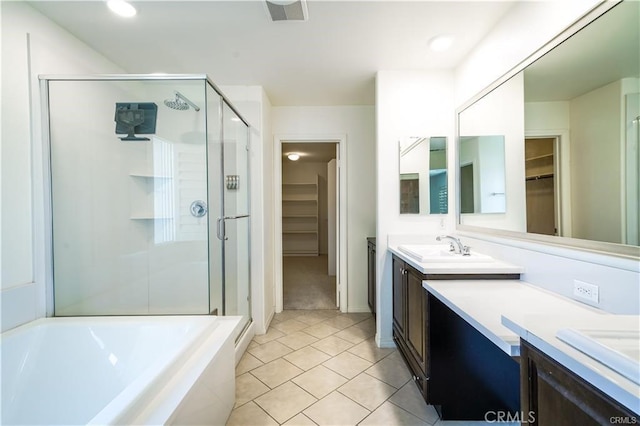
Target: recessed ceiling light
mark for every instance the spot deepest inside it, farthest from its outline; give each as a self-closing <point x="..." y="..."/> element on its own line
<point x="293" y="157"/>
<point x="122" y="8"/>
<point x="440" y="43"/>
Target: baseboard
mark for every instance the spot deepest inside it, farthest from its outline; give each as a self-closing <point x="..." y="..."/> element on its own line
<point x="358" y="309"/>
<point x="385" y="343"/>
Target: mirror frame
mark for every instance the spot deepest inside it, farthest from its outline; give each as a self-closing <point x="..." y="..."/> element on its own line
<point x="612" y="249"/>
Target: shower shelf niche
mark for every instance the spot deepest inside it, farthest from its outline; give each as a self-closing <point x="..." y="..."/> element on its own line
<point x="151" y="196"/>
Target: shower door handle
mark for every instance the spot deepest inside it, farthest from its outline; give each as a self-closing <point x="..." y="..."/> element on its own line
<point x="221" y="227"/>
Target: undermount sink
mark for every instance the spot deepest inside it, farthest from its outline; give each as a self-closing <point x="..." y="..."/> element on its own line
<point x="439" y="253"/>
<point x="617" y="349"/>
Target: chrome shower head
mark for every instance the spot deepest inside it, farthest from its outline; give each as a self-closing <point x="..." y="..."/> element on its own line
<point x="176" y="103"/>
<point x="180" y="103"/>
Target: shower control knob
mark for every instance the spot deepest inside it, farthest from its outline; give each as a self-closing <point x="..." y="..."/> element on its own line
<point x="198" y="208"/>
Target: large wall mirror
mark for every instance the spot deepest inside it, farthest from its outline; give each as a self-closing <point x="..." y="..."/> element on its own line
<point x="570" y="128"/>
<point x="423" y="175"/>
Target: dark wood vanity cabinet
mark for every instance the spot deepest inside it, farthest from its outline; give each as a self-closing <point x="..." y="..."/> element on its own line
<point x="371" y="274"/>
<point x="410" y="324"/>
<point x="553" y="395"/>
<point x="456" y="368"/>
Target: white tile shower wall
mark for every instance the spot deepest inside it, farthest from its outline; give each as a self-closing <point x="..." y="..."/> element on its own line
<point x="555" y="268"/>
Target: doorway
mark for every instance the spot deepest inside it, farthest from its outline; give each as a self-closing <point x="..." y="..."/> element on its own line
<point x="310" y="225"/>
<point x="308" y="222"/>
<point x="540" y="175"/>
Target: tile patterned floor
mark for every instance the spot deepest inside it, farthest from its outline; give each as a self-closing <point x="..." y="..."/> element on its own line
<point x="322" y="367"/>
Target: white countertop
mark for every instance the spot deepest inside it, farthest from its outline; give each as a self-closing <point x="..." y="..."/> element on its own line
<point x="505" y="310"/>
<point x="495" y="267"/>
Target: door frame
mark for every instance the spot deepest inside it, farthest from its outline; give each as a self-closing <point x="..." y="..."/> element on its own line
<point x="341" y="247"/>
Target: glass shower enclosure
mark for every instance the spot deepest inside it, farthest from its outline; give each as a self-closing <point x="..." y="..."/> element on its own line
<point x="148" y="181"/>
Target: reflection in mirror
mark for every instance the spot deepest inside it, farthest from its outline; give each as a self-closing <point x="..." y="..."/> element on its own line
<point x="482" y="174"/>
<point x="423" y="175"/>
<point x="573" y="162"/>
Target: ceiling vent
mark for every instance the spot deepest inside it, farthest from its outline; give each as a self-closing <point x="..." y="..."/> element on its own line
<point x="287" y="10"/>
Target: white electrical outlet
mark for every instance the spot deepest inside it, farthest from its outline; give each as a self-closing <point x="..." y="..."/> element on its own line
<point x="586" y="291"/>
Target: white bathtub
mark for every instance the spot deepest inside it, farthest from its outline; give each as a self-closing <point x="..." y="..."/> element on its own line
<point x="119" y="370"/>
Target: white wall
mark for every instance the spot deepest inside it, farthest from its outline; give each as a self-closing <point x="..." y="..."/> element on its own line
<point x="52" y="50"/>
<point x="407" y="103"/>
<point x="527" y="27"/>
<point x="357" y="123"/>
<point x="596" y="141"/>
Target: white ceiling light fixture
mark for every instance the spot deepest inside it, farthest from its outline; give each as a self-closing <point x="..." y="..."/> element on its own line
<point x="122" y="8"/>
<point x="441" y="43"/>
<point x="293" y="156"/>
<point x="287" y="10"/>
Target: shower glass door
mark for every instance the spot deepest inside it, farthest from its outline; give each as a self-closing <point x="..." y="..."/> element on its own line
<point x="129" y="196"/>
<point x="236" y="220"/>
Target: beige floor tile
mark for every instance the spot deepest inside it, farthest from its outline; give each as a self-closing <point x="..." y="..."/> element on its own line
<point x="271" y="334"/>
<point x="319" y="381"/>
<point x="247" y="363"/>
<point x="391" y="370"/>
<point x="368" y="350"/>
<point x="300" y="420"/>
<point x="284" y="402"/>
<point x="270" y="351"/>
<point x="286" y="315"/>
<point x="340" y="321"/>
<point x="368" y="324"/>
<point x="290" y="326"/>
<point x="367" y="391"/>
<point x="354" y="334"/>
<point x="253" y="344"/>
<point x="347" y="365"/>
<point x="248" y="388"/>
<point x="388" y="414"/>
<point x="358" y="317"/>
<point x="250" y="414"/>
<point x="276" y="372"/>
<point x="314" y="317"/>
<point x="336" y="409"/>
<point x="321" y="330"/>
<point x="298" y="340"/>
<point x="307" y="357"/>
<point x="410" y="398"/>
<point x="332" y="345"/>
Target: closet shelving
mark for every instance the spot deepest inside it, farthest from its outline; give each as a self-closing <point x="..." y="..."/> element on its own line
<point x="300" y="218"/>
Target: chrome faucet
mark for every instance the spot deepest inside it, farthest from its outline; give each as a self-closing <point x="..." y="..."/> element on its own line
<point x="455" y="243"/>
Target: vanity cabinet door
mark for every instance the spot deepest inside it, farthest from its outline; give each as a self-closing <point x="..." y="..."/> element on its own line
<point x="553" y="395"/>
<point x="399" y="297"/>
<point x="417" y="323"/>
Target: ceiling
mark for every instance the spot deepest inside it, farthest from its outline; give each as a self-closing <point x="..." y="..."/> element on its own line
<point x="321" y="152"/>
<point x="331" y="59"/>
